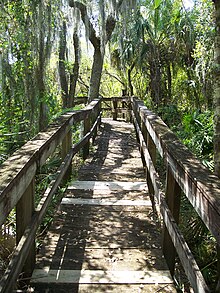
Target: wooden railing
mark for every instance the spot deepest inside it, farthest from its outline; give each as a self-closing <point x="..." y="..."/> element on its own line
<point x="184" y="173"/>
<point x="17" y="180"/>
<point x="116" y="107"/>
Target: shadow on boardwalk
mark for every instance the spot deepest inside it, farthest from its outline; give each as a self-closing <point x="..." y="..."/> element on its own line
<point x="111" y="246"/>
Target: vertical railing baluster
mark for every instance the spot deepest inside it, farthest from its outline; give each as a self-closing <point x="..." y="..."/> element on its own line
<point x="173" y="197"/>
<point x="66" y="146"/>
<point x="85" y="131"/>
<point x="115" y="105"/>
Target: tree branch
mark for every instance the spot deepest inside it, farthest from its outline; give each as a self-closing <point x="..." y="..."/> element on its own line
<point x="88" y="25"/>
<point x="114" y="76"/>
<point x="119" y="5"/>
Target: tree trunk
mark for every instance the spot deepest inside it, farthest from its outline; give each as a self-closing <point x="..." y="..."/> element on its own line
<point x="216" y="96"/>
<point x="62" y="69"/>
<point x="98" y="56"/>
<point x="74" y="76"/>
<point x="43" y="109"/>
<point x="169" y="82"/>
<point x="216" y="104"/>
<point x="96" y="74"/>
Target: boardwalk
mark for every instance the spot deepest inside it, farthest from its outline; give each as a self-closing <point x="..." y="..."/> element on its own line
<point x="104" y="237"/>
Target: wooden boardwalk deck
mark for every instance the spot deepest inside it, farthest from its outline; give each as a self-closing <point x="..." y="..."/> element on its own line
<point x="104" y="237"/>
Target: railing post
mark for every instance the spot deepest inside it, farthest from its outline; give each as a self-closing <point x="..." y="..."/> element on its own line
<point x="152" y="151"/>
<point x="94" y="117"/>
<point x="173" y="196"/>
<point x="129" y="115"/>
<point x="24" y="212"/>
<point x="85" y="131"/>
<point x="114" y="103"/>
<point x="66" y="146"/>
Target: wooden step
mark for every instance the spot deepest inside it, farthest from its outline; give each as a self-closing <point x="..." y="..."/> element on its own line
<point x="100" y="186"/>
<point x="47" y="275"/>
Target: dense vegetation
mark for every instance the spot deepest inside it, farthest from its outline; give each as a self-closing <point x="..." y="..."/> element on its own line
<point x="159" y="50"/>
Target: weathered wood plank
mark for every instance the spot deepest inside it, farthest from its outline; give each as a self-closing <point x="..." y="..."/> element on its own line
<point x="108" y="185"/>
<point x="105" y="202"/>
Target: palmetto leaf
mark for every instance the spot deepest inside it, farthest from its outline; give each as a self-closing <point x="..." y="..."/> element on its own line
<point x="157" y="3"/>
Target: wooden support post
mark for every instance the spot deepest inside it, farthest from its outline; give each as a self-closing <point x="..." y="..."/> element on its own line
<point x="217" y="290"/>
<point x="123" y="108"/>
<point x="152" y="151"/>
<point x="129" y="109"/>
<point x="94" y="117"/>
<point x="145" y="133"/>
<point x="114" y="102"/>
<point x="66" y="146"/>
<point x="86" y="130"/>
<point x="24" y="212"/>
<point x="173" y="197"/>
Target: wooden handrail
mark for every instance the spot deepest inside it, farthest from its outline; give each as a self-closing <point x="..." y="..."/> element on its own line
<point x="17" y="175"/>
<point x="184" y="172"/>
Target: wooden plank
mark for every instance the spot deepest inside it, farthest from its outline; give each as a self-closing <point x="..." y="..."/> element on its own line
<point x="108" y="185"/>
<point x="46" y="275"/>
<point x="105" y="202"/>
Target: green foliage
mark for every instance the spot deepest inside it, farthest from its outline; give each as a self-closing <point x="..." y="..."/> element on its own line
<point x="197" y="134"/>
<point x="200" y="241"/>
<point x="170" y="115"/>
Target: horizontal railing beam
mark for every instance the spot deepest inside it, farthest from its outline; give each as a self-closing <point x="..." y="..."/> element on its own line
<point x="27" y="239"/>
<point x="200" y="185"/>
<point x="17" y="172"/>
